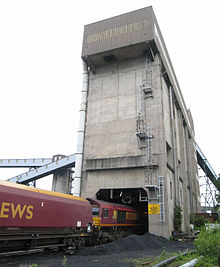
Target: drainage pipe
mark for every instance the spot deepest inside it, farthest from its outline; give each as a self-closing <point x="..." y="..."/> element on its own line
<point x="167" y="261"/>
<point x="76" y="186"/>
<point x="176" y="178"/>
<point x="190" y="263"/>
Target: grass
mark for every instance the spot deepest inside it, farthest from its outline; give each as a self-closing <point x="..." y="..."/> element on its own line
<point x="207" y="244"/>
<point x="150" y="261"/>
<point x="182" y="259"/>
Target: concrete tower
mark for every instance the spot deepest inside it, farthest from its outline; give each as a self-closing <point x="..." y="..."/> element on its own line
<point x="139" y="145"/>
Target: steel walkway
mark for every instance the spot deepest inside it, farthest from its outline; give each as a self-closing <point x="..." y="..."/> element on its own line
<point x="24" y="163"/>
<point x="32" y="175"/>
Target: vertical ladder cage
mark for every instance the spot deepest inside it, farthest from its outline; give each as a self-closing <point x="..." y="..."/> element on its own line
<point x="161" y="198"/>
<point x="149" y="156"/>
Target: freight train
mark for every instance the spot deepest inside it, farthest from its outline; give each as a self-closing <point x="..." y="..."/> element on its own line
<point x="35" y="218"/>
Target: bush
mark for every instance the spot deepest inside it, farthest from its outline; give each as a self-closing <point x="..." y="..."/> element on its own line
<point x="208" y="242"/>
<point x="199" y="221"/>
<point x="177" y="218"/>
<point x="207" y="262"/>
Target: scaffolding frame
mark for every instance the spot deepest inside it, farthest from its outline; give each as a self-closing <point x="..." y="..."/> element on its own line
<point x="208" y="192"/>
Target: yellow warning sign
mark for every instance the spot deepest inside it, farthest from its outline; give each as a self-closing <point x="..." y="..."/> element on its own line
<point x="153" y="208"/>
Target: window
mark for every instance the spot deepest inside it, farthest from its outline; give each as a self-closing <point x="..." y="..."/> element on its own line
<point x="105" y="213"/>
<point x="171" y="191"/>
<point x="169" y="155"/>
<point x="95" y="211"/>
<point x="121" y="216"/>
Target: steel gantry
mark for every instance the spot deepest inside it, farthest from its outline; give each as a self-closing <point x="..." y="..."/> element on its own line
<point x="208" y="182"/>
<point x="50" y="167"/>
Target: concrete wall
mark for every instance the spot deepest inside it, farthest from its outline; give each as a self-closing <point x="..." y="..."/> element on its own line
<point x="61" y="181"/>
<point x="112" y="156"/>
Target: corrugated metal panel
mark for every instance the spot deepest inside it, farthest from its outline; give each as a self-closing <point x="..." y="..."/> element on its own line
<point x="120" y="31"/>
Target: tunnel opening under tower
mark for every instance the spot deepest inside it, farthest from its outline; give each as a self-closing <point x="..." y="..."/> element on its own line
<point x="134" y="197"/>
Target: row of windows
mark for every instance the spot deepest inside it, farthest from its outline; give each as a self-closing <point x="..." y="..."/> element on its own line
<point x="121" y="215"/>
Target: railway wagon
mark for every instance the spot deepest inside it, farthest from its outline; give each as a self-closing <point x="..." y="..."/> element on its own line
<point x="35" y="218"/>
<point x="112" y="220"/>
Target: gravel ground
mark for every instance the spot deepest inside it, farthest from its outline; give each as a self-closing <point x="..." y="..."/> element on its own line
<point x="112" y="254"/>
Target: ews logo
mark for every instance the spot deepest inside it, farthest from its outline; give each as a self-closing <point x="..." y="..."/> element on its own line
<point x="8" y="210"/>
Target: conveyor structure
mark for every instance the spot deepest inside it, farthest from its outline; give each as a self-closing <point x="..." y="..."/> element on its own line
<point x="46" y="166"/>
<point x="24" y="163"/>
<point x="50" y="168"/>
<point x="206" y="167"/>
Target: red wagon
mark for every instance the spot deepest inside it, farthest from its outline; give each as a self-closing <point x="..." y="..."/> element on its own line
<point x="115" y="220"/>
<point x="33" y="218"/>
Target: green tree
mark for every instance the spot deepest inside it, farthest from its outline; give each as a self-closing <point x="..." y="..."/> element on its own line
<point x="218" y="187"/>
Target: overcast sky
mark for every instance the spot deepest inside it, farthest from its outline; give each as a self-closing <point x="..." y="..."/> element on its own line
<point x="41" y="71"/>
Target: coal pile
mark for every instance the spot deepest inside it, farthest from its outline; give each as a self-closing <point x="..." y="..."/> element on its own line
<point x="129" y="243"/>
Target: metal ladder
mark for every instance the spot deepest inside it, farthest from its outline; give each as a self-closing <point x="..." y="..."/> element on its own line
<point x="143" y="130"/>
<point x="147" y="88"/>
<point x="161" y="198"/>
<point x="149" y="156"/>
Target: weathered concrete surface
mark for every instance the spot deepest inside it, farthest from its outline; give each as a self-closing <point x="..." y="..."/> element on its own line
<point x="61" y="179"/>
<point x="112" y="155"/>
<point x="115" y="163"/>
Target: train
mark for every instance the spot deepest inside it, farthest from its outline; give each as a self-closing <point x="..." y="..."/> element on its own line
<point x="35" y="218"/>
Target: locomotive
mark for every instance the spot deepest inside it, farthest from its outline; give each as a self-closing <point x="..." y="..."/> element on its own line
<point x="36" y="218"/>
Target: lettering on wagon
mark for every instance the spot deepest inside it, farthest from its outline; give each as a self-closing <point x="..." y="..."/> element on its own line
<point x="12" y="210"/>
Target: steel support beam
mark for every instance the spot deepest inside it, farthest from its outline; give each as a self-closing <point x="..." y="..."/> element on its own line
<point x="206" y="167"/>
<point x="32" y="175"/>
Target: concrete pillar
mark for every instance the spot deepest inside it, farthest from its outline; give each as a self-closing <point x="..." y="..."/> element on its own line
<point x="61" y="179"/>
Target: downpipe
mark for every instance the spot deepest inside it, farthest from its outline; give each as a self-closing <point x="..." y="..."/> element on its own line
<point x="176" y="178"/>
<point x="76" y="186"/>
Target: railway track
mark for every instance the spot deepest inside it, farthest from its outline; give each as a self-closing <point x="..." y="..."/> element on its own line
<point x="19" y="253"/>
<point x="68" y="251"/>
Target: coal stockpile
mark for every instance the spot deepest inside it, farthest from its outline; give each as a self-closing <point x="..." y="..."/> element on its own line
<point x="130" y="243"/>
<point x="112" y="254"/>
